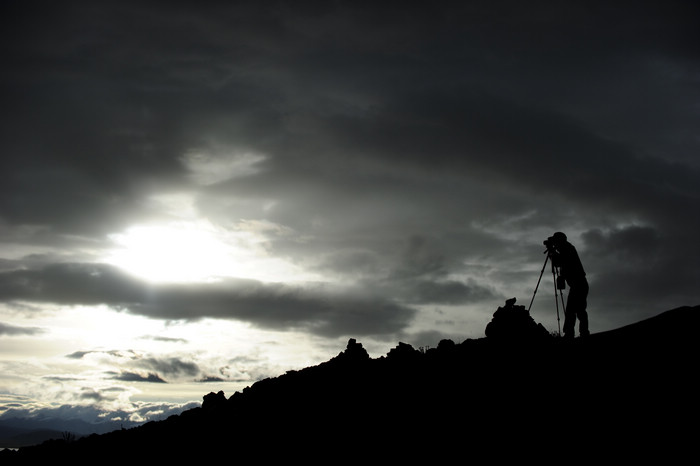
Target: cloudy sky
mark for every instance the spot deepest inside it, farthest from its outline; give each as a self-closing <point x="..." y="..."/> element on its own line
<point x="196" y="195"/>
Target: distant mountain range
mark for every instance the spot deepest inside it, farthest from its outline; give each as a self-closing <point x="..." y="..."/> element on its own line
<point x="17" y="432"/>
<point x="623" y="395"/>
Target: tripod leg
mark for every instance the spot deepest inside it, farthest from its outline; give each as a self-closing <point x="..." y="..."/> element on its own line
<point x="538" y="282"/>
<point x="556" y="298"/>
<point x="563" y="305"/>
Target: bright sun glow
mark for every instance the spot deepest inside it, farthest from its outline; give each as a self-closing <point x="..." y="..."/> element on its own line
<point x="191" y="251"/>
<point x="182" y="252"/>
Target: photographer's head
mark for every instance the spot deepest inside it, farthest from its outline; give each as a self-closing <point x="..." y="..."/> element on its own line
<point x="559" y="238"/>
<point x="556" y="240"/>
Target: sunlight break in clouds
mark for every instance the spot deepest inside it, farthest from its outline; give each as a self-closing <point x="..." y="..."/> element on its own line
<point x="192" y="249"/>
<point x="196" y="251"/>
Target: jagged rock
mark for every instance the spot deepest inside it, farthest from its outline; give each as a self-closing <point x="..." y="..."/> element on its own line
<point x="353" y="352"/>
<point x="214" y="400"/>
<point x="512" y="322"/>
<point x="402" y="351"/>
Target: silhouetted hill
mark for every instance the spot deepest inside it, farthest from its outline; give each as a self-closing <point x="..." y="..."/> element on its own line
<point x="13" y="438"/>
<point x="23" y="431"/>
<point x="622" y="395"/>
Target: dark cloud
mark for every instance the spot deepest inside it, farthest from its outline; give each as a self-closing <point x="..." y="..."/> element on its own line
<point x="633" y="244"/>
<point x="11" y="330"/>
<point x="164" y="339"/>
<point x="277" y="306"/>
<point x="61" y="379"/>
<point x="157" y="369"/>
<point x="170" y="366"/>
<point x="445" y="292"/>
<point x="91" y="395"/>
<point x="78" y="354"/>
<point x="413" y="153"/>
<point x="134" y="377"/>
<point x="117" y="353"/>
<point x="210" y="378"/>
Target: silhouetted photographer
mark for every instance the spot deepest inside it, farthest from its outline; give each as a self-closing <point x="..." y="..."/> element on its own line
<point x="564" y="256"/>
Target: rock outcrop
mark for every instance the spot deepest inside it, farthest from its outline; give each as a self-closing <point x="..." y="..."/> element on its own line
<point x="514" y="323"/>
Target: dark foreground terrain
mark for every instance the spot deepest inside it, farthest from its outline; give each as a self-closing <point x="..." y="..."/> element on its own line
<point x="517" y="394"/>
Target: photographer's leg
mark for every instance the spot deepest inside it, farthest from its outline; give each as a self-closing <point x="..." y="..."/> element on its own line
<point x="573" y="309"/>
<point x="582" y="314"/>
<point x="570" y="317"/>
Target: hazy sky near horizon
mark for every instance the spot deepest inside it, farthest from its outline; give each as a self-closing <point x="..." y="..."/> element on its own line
<point x="196" y="195"/>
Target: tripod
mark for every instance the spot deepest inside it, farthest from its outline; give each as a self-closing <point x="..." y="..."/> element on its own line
<point x="558" y="285"/>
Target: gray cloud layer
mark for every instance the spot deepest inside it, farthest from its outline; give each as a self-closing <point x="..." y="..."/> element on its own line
<point x="7" y="329"/>
<point x="415" y="152"/>
<point x="268" y="305"/>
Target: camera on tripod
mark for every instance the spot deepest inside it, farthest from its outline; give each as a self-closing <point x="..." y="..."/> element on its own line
<point x="549" y="243"/>
<point x="559" y="280"/>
